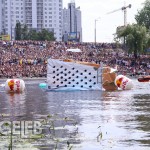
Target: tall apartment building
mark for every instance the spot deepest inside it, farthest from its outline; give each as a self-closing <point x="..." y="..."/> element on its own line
<point x="72" y="29"/>
<point x="36" y="14"/>
<point x="0" y="16"/>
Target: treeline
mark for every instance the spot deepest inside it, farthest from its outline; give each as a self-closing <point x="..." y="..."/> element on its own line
<point x="23" y="33"/>
<point x="137" y="36"/>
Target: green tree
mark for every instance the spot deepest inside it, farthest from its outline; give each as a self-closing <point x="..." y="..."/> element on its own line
<point x="24" y="33"/>
<point x="18" y="31"/>
<point x="46" y="35"/>
<point x="136" y="38"/>
<point x="143" y="16"/>
<point x="32" y="35"/>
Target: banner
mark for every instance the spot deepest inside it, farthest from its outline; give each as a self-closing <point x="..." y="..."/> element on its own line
<point x="74" y="36"/>
<point x="5" y="37"/>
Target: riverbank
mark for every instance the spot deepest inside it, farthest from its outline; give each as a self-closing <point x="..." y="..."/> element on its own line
<point x="35" y="78"/>
<point x="26" y="58"/>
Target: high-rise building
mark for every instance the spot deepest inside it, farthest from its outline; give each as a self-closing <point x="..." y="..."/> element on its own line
<point x="36" y="14"/>
<point x="72" y="29"/>
<point x="0" y="16"/>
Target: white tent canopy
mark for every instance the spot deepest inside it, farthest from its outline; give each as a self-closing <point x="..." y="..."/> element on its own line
<point x="73" y="50"/>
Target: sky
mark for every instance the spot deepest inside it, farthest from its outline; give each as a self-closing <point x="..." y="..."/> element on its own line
<point x="107" y="23"/>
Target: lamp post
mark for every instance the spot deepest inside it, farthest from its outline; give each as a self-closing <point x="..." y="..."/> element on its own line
<point x="95" y="28"/>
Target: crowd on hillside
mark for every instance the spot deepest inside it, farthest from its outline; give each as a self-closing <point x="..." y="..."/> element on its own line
<point x="29" y="58"/>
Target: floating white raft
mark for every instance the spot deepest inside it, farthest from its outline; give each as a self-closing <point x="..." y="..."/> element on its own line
<point x="63" y="75"/>
<point x="70" y="75"/>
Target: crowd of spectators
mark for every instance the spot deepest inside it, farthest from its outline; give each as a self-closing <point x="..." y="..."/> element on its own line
<point x="29" y="58"/>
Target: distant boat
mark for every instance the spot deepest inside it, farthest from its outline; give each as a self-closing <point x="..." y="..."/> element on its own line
<point x="144" y="79"/>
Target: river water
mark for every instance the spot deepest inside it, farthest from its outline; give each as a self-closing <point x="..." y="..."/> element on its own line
<point x="81" y="120"/>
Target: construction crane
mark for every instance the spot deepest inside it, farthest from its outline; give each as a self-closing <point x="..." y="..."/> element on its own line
<point x="124" y="8"/>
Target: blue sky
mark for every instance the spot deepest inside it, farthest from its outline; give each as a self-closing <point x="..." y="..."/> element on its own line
<point x="106" y="25"/>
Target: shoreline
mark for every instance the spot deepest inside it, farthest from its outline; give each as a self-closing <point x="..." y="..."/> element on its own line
<point x="24" y="78"/>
